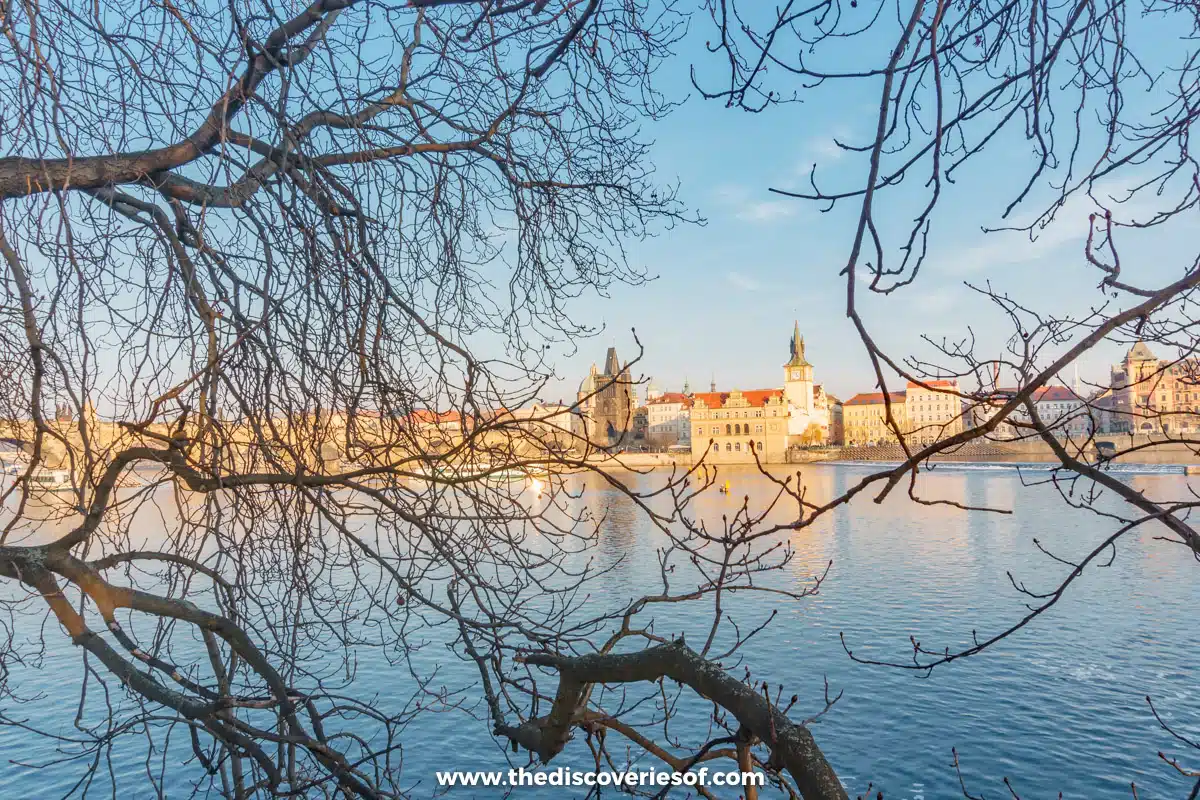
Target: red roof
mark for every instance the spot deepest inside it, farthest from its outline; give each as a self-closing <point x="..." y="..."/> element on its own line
<point x="934" y="385"/>
<point x="670" y="397"/>
<point x="1051" y="393"/>
<point x="755" y="397"/>
<point x="1054" y="393"/>
<point x="873" y="398"/>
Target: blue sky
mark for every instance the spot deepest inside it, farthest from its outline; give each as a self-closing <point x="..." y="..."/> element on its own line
<point x="727" y="292"/>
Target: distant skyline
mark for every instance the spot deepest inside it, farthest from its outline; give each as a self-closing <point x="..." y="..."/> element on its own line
<point x="726" y="292"/>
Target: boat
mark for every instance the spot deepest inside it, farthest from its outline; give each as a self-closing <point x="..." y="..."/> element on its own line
<point x="486" y="472"/>
<point x="53" y="480"/>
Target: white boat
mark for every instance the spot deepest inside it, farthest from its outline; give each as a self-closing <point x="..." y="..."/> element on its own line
<point x="482" y="471"/>
<point x="52" y="480"/>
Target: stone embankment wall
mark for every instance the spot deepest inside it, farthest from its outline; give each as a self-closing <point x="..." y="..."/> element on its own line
<point x="971" y="451"/>
<point x="646" y="460"/>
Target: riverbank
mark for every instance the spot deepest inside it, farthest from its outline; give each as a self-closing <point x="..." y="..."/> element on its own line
<point x="1162" y="452"/>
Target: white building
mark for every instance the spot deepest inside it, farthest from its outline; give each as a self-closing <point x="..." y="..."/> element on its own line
<point x="1063" y="412"/>
<point x="1060" y="409"/>
<point x="808" y="405"/>
<point x="669" y="420"/>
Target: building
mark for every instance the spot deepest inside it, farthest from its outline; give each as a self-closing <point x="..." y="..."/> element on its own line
<point x="1153" y="396"/>
<point x="725" y="423"/>
<point x="432" y="431"/>
<point x="641" y="421"/>
<point x="837" y="425"/>
<point x="606" y="403"/>
<point x="934" y="410"/>
<point x="1063" y="411"/>
<point x="548" y="427"/>
<point x="1101" y="408"/>
<point x="1060" y="409"/>
<point x="808" y="405"/>
<point x="982" y="412"/>
<point x="864" y="418"/>
<point x="669" y="420"/>
<point x="652" y="391"/>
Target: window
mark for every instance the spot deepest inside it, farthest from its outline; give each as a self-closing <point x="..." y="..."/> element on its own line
<point x="728" y="447"/>
<point x="758" y="428"/>
<point x="760" y="447"/>
<point x="716" y="445"/>
<point x="728" y="429"/>
<point x="737" y="446"/>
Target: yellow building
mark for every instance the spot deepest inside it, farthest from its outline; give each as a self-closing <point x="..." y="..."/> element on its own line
<point x="725" y="423"/>
<point x="934" y="411"/>
<point x="1154" y="396"/>
<point x="864" y="418"/>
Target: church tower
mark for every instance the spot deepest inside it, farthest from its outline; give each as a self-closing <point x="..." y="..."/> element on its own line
<point x="798" y="379"/>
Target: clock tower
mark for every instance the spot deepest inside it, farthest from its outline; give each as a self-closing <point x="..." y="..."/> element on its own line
<point x="798" y="381"/>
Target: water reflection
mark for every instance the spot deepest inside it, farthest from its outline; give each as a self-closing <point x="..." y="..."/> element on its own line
<point x="1057" y="707"/>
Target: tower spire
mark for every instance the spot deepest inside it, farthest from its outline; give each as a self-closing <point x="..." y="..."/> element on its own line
<point x="797" y="349"/>
<point x="712" y="387"/>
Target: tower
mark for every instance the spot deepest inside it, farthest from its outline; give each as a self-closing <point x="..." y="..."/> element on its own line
<point x="798" y="377"/>
<point x="652" y="390"/>
<point x="611" y="366"/>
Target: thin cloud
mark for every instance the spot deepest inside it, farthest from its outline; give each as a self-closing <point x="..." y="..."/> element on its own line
<point x="743" y="282"/>
<point x="743" y="206"/>
<point x="822" y="150"/>
<point x="766" y="211"/>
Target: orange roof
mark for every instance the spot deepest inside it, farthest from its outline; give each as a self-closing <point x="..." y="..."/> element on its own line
<point x="670" y="397"/>
<point x="873" y="398"/>
<point x="1054" y="393"/>
<point x="934" y="385"/>
<point x="755" y="397"/>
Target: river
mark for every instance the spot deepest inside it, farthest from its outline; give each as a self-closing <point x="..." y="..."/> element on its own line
<point x="1059" y="706"/>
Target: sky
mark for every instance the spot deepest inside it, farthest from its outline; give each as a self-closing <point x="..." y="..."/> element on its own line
<point x="726" y="293"/>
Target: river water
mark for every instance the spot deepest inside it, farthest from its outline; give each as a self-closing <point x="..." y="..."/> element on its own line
<point x="1058" y="707"/>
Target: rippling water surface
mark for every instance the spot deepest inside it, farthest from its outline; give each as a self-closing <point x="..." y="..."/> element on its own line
<point x="1059" y="706"/>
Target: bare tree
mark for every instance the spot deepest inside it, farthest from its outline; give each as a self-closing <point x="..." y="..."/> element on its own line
<point x="273" y="278"/>
<point x="1095" y="105"/>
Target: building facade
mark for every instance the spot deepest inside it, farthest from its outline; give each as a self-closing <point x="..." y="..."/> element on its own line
<point x="934" y="410"/>
<point x="548" y="427"/>
<point x="1064" y="412"/>
<point x="607" y="401"/>
<point x="669" y="420"/>
<point x="864" y="418"/>
<point x="724" y="424"/>
<point x="734" y="426"/>
<point x="837" y="422"/>
<point x="1154" y="396"/>
<point x="808" y="404"/>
